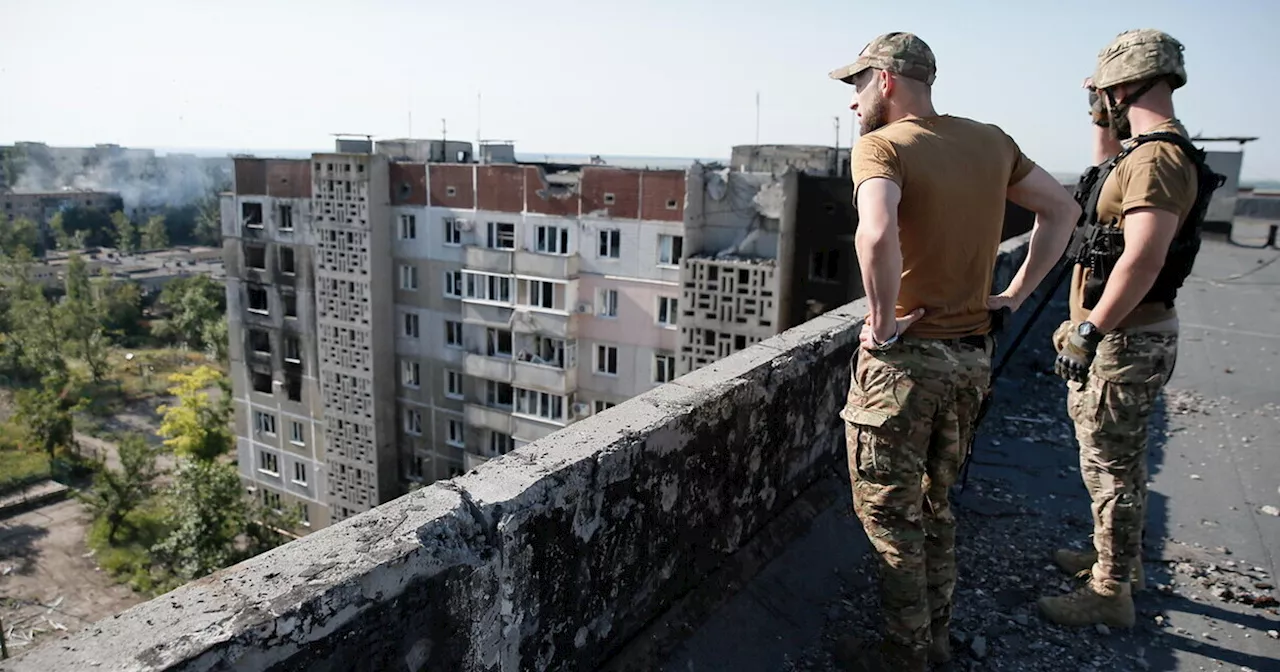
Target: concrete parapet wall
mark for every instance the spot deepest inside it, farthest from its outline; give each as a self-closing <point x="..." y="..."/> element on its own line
<point x="551" y="557"/>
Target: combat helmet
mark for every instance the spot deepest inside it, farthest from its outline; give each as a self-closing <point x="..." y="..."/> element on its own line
<point x="1136" y="55"/>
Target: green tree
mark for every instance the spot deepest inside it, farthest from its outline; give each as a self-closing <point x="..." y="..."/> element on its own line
<point x="209" y="513"/>
<point x="45" y="416"/>
<point x="18" y="233"/>
<point x="13" y="162"/>
<point x="89" y="227"/>
<point x="215" y="338"/>
<point x="193" y="303"/>
<point x="126" y="233"/>
<point x="154" y="235"/>
<point x="82" y="320"/>
<point x="61" y="239"/>
<point x="198" y="427"/>
<point x="121" y="307"/>
<point x="117" y="492"/>
<point x="208" y="222"/>
<point x="34" y="333"/>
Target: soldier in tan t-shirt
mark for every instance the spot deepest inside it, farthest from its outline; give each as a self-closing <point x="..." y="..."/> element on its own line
<point x="1119" y="347"/>
<point x="930" y="191"/>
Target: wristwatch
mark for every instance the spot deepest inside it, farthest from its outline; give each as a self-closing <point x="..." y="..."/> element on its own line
<point x="1089" y="332"/>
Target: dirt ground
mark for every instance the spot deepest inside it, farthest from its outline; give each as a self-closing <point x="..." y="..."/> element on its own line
<point x="48" y="580"/>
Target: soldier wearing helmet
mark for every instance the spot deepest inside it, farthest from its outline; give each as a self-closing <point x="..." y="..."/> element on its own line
<point x="1143" y="206"/>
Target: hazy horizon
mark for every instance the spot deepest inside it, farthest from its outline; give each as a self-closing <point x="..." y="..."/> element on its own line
<point x="660" y="78"/>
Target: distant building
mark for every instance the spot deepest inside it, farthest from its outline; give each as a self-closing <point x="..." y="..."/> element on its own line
<point x="152" y="271"/>
<point x="396" y="319"/>
<point x="40" y="206"/>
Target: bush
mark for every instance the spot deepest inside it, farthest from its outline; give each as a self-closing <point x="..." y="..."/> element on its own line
<point x="129" y="560"/>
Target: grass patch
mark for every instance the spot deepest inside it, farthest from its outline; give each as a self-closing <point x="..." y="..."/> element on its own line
<point x="20" y="468"/>
<point x="128" y="559"/>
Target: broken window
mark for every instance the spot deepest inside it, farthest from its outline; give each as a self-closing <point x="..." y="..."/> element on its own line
<point x="251" y="215"/>
<point x="262" y="382"/>
<point x="502" y="236"/>
<point x="498" y="342"/>
<point x="292" y="349"/>
<point x="255" y="257"/>
<point x="293" y="386"/>
<point x="258" y="299"/>
<point x="260" y="341"/>
<point x="286" y="218"/>
<point x="286" y="261"/>
<point x="824" y="265"/>
<point x="290" y="305"/>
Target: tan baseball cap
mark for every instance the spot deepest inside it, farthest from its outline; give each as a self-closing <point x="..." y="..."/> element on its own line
<point x="900" y="53"/>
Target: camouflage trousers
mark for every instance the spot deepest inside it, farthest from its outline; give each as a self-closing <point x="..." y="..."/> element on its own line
<point x="908" y="421"/>
<point x="1111" y="411"/>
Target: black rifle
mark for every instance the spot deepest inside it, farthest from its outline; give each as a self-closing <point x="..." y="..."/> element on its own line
<point x="999" y="319"/>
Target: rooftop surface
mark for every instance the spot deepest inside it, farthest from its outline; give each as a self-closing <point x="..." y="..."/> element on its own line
<point x="1211" y="547"/>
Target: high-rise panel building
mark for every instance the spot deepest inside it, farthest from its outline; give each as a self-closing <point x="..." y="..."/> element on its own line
<point x="400" y="314"/>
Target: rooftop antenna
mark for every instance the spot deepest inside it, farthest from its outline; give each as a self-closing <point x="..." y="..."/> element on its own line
<point x="478" y="136"/>
<point x="444" y="140"/>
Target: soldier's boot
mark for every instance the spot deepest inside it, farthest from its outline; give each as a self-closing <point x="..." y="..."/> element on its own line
<point x="1076" y="562"/>
<point x="940" y="644"/>
<point x="1109" y="603"/>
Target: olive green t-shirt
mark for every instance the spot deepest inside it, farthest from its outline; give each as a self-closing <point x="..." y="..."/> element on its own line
<point x="954" y="174"/>
<point x="1155" y="175"/>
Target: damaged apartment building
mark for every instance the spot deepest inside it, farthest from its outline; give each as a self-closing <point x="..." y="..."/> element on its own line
<point x="399" y="313"/>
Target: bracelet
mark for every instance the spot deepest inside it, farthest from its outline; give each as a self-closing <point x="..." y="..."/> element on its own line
<point x="892" y="339"/>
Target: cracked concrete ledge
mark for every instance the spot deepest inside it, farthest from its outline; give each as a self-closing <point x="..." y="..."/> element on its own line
<point x="552" y="557"/>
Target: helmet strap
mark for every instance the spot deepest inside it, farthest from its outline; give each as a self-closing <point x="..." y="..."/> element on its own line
<point x="1120" y="110"/>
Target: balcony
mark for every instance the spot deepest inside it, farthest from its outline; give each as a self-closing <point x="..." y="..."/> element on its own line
<point x="497" y="419"/>
<point x="483" y="313"/>
<point x="471" y="461"/>
<point x="489" y="368"/>
<point x="561" y="554"/>
<point x="543" y="377"/>
<point x="546" y="265"/>
<point x="528" y="321"/>
<point x="477" y="258"/>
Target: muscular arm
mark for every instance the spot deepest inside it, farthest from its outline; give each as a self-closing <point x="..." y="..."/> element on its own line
<point x="1148" y="232"/>
<point x="1056" y="216"/>
<point x="879" y="251"/>
<point x="1105" y="145"/>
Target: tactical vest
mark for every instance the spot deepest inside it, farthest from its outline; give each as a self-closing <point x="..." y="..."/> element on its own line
<point x="1099" y="244"/>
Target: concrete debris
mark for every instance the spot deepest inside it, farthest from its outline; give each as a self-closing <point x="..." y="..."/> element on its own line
<point x="1270" y="510"/>
<point x="979" y="647"/>
<point x="1008" y="527"/>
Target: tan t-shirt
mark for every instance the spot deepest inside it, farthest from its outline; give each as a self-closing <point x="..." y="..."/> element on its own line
<point x="954" y="174"/>
<point x="1156" y="175"/>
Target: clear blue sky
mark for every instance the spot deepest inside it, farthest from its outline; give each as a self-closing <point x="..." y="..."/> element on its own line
<point x="660" y="78"/>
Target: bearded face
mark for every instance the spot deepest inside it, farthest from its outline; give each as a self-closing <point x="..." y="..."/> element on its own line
<point x="874" y="113"/>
